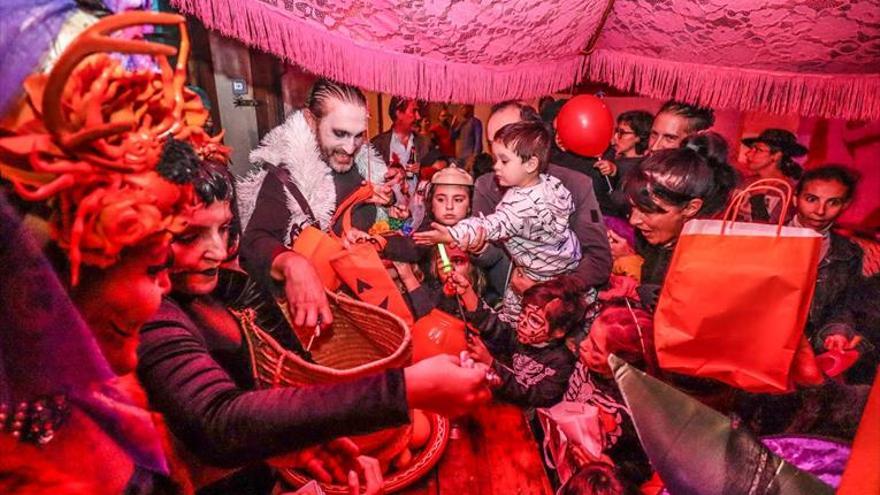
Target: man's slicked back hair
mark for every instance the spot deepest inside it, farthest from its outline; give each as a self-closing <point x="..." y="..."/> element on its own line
<point x="325" y="90"/>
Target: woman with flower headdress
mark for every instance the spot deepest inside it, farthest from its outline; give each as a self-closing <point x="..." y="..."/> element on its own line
<point x="93" y="142"/>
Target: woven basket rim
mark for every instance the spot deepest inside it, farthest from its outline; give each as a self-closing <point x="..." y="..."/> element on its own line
<point x="373" y="366"/>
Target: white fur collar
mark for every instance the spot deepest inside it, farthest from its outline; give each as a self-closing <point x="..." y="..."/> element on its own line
<point x="293" y="146"/>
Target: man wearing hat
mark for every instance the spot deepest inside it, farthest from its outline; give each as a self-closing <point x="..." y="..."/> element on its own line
<point x="770" y="156"/>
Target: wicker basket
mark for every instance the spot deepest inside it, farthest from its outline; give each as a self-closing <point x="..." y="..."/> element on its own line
<point x="422" y="463"/>
<point x="363" y="339"/>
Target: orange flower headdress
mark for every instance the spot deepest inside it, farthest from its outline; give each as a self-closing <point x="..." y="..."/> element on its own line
<point x="92" y="135"/>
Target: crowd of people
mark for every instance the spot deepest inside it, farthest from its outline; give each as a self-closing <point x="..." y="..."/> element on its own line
<point x="554" y="262"/>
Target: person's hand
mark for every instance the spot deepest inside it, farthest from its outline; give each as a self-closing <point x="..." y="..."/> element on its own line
<point x="456" y="284"/>
<point x="303" y="289"/>
<point x="383" y="194"/>
<point x="619" y="246"/>
<point x="394" y="175"/>
<point x="399" y="211"/>
<point x="804" y="370"/>
<point x="620" y="286"/>
<point x="354" y="236"/>
<point x="840" y="343"/>
<point x="606" y="167"/>
<point x="412" y="168"/>
<point x="438" y="234"/>
<point x="407" y="275"/>
<point x="478" y="244"/>
<point x="327" y="463"/>
<point x="372" y="472"/>
<point x="519" y="281"/>
<point x="479" y="352"/>
<point x="441" y="385"/>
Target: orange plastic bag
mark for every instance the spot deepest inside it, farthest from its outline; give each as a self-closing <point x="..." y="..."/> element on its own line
<point x="361" y="269"/>
<point x="319" y="247"/>
<point x="438" y="332"/>
<point x="736" y="298"/>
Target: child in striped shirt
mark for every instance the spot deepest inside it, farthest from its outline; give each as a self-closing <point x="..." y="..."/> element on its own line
<point x="532" y="219"/>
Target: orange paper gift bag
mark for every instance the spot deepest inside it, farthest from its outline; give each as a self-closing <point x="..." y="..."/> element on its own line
<point x="736" y="298"/>
<point x="319" y="248"/>
<point x="362" y="270"/>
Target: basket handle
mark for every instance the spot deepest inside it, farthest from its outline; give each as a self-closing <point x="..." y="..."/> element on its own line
<point x="360" y="195"/>
<point x="778" y="186"/>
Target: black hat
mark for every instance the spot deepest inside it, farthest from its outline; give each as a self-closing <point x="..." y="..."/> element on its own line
<point x="696" y="450"/>
<point x="778" y="139"/>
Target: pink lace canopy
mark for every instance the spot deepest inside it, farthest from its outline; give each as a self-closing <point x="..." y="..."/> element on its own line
<point x="812" y="57"/>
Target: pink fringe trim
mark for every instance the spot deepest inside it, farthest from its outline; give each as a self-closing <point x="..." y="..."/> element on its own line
<point x="846" y="96"/>
<point x="255" y="23"/>
<point x="268" y="28"/>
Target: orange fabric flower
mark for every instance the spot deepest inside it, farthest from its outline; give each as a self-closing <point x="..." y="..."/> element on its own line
<point x="93" y="150"/>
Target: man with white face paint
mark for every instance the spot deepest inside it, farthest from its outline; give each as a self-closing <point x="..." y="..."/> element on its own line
<point x="306" y="167"/>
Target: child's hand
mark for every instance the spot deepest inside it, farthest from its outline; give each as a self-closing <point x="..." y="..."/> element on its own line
<point x="519" y="281"/>
<point x="399" y="211"/>
<point x="407" y="275"/>
<point x="478" y="244"/>
<point x="840" y="343"/>
<point x="456" y="282"/>
<point x="619" y="246"/>
<point x="606" y="167"/>
<point x="355" y="236"/>
<point x="440" y="233"/>
<point x="620" y="286"/>
<point x="478" y="351"/>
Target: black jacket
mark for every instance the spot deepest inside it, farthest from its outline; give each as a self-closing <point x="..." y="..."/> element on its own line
<point x="530" y="376"/>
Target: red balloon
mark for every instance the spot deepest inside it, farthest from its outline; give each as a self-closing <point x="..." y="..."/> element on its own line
<point x="584" y="125"/>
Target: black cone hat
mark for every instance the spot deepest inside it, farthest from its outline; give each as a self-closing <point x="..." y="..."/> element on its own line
<point x="696" y="451"/>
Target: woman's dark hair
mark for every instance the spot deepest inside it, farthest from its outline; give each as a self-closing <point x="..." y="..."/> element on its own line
<point x="640" y="122"/>
<point x="789" y="167"/>
<point x="845" y="176"/>
<point x="697" y="170"/>
<point x="213" y="182"/>
<point x="568" y="316"/>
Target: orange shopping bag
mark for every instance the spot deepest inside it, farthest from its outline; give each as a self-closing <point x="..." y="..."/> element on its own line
<point x="319" y="247"/>
<point x="361" y="269"/>
<point x="736" y="297"/>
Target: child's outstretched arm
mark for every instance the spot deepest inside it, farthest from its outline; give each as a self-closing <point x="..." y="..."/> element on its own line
<point x="438" y="233"/>
<point x="538" y="385"/>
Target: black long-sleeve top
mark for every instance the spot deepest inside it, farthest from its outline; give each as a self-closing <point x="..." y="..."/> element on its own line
<point x="530" y="376"/>
<point x="197" y="377"/>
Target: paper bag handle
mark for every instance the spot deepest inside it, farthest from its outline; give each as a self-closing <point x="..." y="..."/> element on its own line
<point x="778" y="186"/>
<point x="547" y="424"/>
<point x="345" y="209"/>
